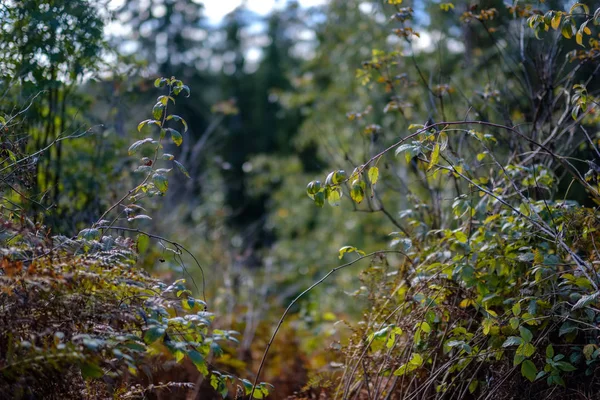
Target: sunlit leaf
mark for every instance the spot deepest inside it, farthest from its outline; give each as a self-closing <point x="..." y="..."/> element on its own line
<point x="435" y="156"/>
<point x="357" y="192"/>
<point x="161" y="182"/>
<point x="136" y="145"/>
<point x="349" y="249"/>
<point x="373" y="175"/>
<point x="334" y="196"/>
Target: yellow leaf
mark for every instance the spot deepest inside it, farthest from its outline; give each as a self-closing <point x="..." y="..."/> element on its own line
<point x="373" y="175"/>
<point x="556" y="21"/>
<point x="446" y="6"/>
<point x="466" y="303"/>
<point x="491" y="218"/>
<point x="585" y="8"/>
<point x="461" y="237"/>
<point x="492" y="313"/>
<point x="357" y="192"/>
<point x="567" y="31"/>
<point x="329" y="316"/>
<point x="435" y="156"/>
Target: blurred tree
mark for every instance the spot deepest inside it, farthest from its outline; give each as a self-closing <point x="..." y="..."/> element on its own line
<point x="262" y="125"/>
<point x="48" y="48"/>
<point x="169" y="35"/>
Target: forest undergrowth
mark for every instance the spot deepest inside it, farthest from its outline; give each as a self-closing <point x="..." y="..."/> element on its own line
<point x="469" y="242"/>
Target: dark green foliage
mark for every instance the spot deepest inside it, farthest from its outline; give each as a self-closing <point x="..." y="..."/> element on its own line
<point x="84" y="311"/>
<point x="451" y="148"/>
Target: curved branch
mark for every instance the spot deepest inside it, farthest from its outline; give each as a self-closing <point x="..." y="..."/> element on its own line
<point x="177" y="245"/>
<point x="314" y="285"/>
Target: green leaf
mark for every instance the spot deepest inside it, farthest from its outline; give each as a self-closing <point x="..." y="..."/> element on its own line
<point x="89" y="234"/>
<point x="142" y="243"/>
<point x="198" y="361"/>
<point x="313" y="188"/>
<point x="338" y="176"/>
<point x="518" y="359"/>
<point x="136" y="145"/>
<point x="186" y="89"/>
<point x="514" y="322"/>
<point x="528" y="370"/>
<point x="405" y="243"/>
<point x="160" y="182"/>
<point x="588" y="350"/>
<point x="474" y="382"/>
<point x="136" y="347"/>
<point x="357" y="192"/>
<point x="157" y="110"/>
<point x="265" y="388"/>
<point x="334" y="196"/>
<point x="140" y="216"/>
<point x="512" y="341"/>
<point x="565" y="366"/>
<point x="549" y="351"/>
<point x="90" y="370"/>
<point x="215" y="380"/>
<point x="320" y="199"/>
<point x="405" y="147"/>
<point x="461" y="237"/>
<point x="516" y="309"/>
<point x="586" y="300"/>
<point x="145" y="122"/>
<point x="416" y="359"/>
<point x="247" y="386"/>
<point x="556" y="380"/>
<point x="153" y="334"/>
<point x="177" y="118"/>
<point x="526" y="334"/>
<point x="160" y="82"/>
<point x="415" y="362"/>
<point x="373" y="175"/>
<point x="487" y="325"/>
<point x="566" y="328"/>
<point x="175" y="136"/>
<point x="528" y="349"/>
<point x="181" y="168"/>
<point x="165" y="100"/>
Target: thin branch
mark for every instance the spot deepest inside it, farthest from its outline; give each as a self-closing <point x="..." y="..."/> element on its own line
<point x="314" y="285"/>
<point x="176" y="244"/>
